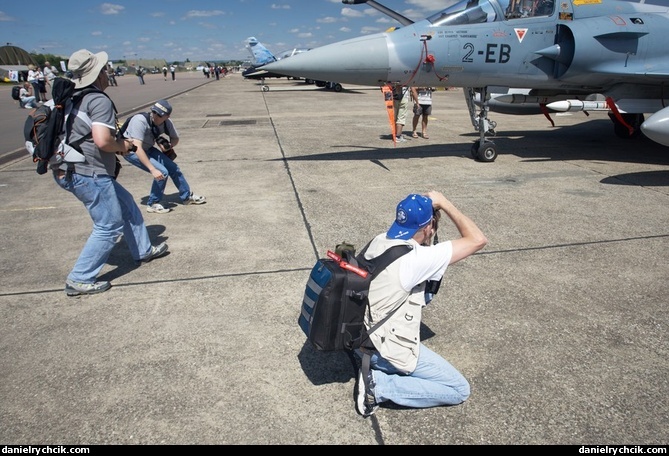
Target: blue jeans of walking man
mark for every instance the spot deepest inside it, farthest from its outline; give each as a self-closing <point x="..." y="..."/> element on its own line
<point x="114" y="212"/>
<point x="167" y="167"/>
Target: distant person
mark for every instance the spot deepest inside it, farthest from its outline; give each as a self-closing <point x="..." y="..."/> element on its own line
<point x="401" y="95"/>
<point x="153" y="138"/>
<point x="41" y="83"/>
<point x="27" y="97"/>
<point x="422" y="108"/>
<point x="140" y="74"/>
<point x="32" y="79"/>
<point x="111" y="207"/>
<point x="111" y="74"/>
<point x="173" y="71"/>
<point x="402" y="369"/>
<point x="165" y="73"/>
<point x="50" y="72"/>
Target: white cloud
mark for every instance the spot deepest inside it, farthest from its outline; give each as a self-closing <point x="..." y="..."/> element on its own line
<point x="5" y="18"/>
<point x="327" y="20"/>
<point x="369" y="30"/>
<point x="350" y="12"/>
<point x="202" y="13"/>
<point x="110" y="8"/>
<point x="428" y="6"/>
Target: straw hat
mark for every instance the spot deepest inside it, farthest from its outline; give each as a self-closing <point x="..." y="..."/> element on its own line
<point x="86" y="66"/>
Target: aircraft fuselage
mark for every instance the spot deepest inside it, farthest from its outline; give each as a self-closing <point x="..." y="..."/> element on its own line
<point x="580" y="48"/>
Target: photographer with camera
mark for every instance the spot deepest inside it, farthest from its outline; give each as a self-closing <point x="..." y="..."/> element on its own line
<point x="92" y="181"/>
<point x="155" y="136"/>
<point x="401" y="369"/>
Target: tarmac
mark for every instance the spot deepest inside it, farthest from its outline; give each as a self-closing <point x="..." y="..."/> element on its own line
<point x="560" y="324"/>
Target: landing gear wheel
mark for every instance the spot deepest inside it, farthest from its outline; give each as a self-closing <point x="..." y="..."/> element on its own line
<point x="265" y="88"/>
<point x="337" y="87"/>
<point x="486" y="152"/>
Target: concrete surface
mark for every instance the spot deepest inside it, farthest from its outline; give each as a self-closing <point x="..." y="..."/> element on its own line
<point x="560" y="323"/>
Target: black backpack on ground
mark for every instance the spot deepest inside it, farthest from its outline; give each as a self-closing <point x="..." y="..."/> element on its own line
<point x="336" y="298"/>
<point x="16" y="92"/>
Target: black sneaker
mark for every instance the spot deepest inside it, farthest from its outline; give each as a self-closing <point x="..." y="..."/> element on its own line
<point x="365" y="402"/>
<point x="156" y="252"/>
<point x="77" y="288"/>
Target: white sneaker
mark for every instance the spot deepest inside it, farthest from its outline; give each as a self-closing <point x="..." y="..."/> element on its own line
<point x="156" y="251"/>
<point x="401" y="139"/>
<point x="195" y="199"/>
<point x="157" y="208"/>
<point x="365" y="402"/>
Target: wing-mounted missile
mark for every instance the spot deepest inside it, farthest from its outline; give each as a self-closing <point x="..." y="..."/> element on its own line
<point x="578" y="105"/>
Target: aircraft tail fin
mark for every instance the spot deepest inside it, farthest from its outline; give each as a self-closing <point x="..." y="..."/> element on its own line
<point x="261" y="55"/>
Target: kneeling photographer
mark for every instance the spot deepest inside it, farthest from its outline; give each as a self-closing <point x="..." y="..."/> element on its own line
<point x="155" y="136"/>
<point x="398" y="367"/>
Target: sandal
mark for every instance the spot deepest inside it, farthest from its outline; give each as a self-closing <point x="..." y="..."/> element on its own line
<point x="425" y="136"/>
<point x="414" y="135"/>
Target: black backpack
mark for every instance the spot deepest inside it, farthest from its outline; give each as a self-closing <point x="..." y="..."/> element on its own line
<point x="44" y="127"/>
<point x="16" y="92"/>
<point x="336" y="298"/>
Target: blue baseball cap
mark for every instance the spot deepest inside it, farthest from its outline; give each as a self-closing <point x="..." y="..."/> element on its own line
<point x="162" y="108"/>
<point x="413" y="213"/>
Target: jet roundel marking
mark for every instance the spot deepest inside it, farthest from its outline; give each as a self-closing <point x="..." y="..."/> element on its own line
<point x="520" y="34"/>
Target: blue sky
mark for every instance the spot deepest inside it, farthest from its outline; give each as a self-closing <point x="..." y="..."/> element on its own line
<point x="176" y="30"/>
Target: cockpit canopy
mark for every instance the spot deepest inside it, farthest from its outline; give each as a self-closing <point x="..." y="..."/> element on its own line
<point x="478" y="11"/>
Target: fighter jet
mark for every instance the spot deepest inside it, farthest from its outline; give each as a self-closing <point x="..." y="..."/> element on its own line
<point x="261" y="56"/>
<point x="569" y="55"/>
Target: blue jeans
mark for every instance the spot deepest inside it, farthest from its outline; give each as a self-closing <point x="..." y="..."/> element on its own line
<point x="166" y="166"/>
<point x="435" y="382"/>
<point x="113" y="211"/>
<point x="29" y="101"/>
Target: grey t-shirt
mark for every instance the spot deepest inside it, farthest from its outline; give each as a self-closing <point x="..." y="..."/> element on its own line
<point x="139" y="128"/>
<point x="95" y="109"/>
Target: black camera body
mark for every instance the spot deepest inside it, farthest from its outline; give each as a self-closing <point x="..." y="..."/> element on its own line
<point x="164" y="142"/>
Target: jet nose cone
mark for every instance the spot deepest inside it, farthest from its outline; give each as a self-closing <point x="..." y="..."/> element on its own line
<point x="362" y="61"/>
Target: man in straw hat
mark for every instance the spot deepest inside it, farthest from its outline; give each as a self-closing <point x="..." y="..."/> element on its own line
<point x="399" y="368"/>
<point x="111" y="207"/>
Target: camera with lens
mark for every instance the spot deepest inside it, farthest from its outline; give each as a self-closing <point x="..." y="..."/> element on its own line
<point x="164" y="142"/>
